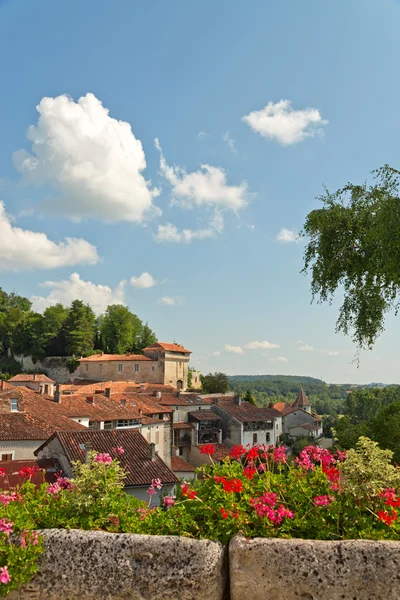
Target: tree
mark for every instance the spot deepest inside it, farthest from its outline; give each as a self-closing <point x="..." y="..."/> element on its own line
<point x="354" y="245"/>
<point x="385" y="429"/>
<point x="54" y="320"/>
<point x="215" y="383"/>
<point x="117" y="330"/>
<point x="249" y="398"/>
<point x="79" y="329"/>
<point x="147" y="338"/>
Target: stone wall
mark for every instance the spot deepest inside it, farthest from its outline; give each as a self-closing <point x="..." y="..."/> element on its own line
<point x="54" y="366"/>
<point x="105" y="566"/>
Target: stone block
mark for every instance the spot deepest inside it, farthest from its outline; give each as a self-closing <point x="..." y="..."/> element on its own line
<point x="94" y="565"/>
<point x="277" y="569"/>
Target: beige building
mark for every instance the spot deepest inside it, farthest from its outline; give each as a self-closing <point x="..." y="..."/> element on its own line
<point x="160" y="363"/>
<point x="34" y="381"/>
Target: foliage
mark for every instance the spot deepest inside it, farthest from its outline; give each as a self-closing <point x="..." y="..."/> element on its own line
<point x="354" y="245"/>
<point x="248" y="397"/>
<point x="259" y="492"/>
<point x="215" y="383"/>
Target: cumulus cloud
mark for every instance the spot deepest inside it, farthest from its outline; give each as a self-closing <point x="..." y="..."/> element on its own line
<point x="144" y="281"/>
<point x="24" y="249"/>
<point x="230" y="142"/>
<point x="288" y="236"/>
<point x="75" y="288"/>
<point x="206" y="187"/>
<point x="234" y="349"/>
<point x="265" y="345"/>
<point x="306" y="348"/>
<point x="284" y="124"/>
<point x="216" y="353"/>
<point x="92" y="160"/>
<point x="333" y="353"/>
<point x="278" y="359"/>
<point x="170" y="300"/>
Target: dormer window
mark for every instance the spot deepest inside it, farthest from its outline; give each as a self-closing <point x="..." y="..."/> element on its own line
<point x="14" y="405"/>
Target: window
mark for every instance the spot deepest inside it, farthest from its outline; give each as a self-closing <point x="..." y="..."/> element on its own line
<point x="148" y="436"/>
<point x="127" y="423"/>
<point x="153" y="368"/>
<point x="119" y="368"/>
<point x="108" y="425"/>
<point x="180" y="451"/>
<point x="14" y="404"/>
<point x="7" y="456"/>
<point x="86" y="367"/>
<point x="157" y="437"/>
<point x="136" y="368"/>
<point x="254" y="438"/>
<point x="101" y="368"/>
<point x="267" y="437"/>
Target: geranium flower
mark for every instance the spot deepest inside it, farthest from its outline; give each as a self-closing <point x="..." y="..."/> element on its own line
<point x="6" y="526"/>
<point x="103" y="458"/>
<point x="2" y="472"/>
<point x="28" y="471"/>
<point x="322" y="500"/>
<point x="386" y="517"/>
<point x="249" y="472"/>
<point x="187" y="492"/>
<point x="118" y="450"/>
<point x="156" y="483"/>
<point x="169" y="501"/>
<point x="237" y="452"/>
<point x="208" y="449"/>
<point x="6" y="498"/>
<point x="279" y="454"/>
<point x="223" y="512"/>
<point x="4" y="575"/>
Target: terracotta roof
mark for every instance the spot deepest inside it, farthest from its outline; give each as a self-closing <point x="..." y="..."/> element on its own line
<point x="135" y="459"/>
<point x="12" y="478"/>
<point x="116" y="357"/>
<point x="178" y="464"/>
<point x="221" y="451"/>
<point x="246" y="411"/>
<point x="32" y="377"/>
<point x="204" y="415"/>
<point x="171" y="400"/>
<point x="4" y="385"/>
<point x="168" y="347"/>
<point x="97" y="407"/>
<point x="149" y="405"/>
<point x="301" y="399"/>
<point x="280" y="406"/>
<point x="182" y="426"/>
<point x="37" y="418"/>
<point x="90" y="386"/>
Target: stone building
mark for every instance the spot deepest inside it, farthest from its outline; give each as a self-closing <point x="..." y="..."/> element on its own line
<point x="298" y="419"/>
<point x="34" y="381"/>
<point x="160" y="363"/>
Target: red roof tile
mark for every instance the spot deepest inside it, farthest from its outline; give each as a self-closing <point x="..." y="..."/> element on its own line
<point x="245" y="411"/>
<point x="135" y="459"/>
<point x="204" y="415"/>
<point x="32" y="377"/>
<point x="116" y="357"/>
<point x="280" y="406"/>
<point x="96" y="407"/>
<point x="168" y="347"/>
<point x="182" y="426"/>
<point x="180" y="465"/>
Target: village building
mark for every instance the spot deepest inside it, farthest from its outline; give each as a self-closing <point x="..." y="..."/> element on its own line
<point x="298" y="419"/>
<point x="182" y="469"/>
<point x="35" y="381"/>
<point x="42" y="470"/>
<point x="139" y="458"/>
<point x="245" y="424"/>
<point x="160" y="363"/>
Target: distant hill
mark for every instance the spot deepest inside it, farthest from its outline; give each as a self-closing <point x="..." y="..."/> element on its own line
<point x="292" y="379"/>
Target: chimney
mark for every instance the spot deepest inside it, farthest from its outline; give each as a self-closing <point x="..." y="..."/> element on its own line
<point x="107" y="392"/>
<point x="152" y="451"/>
<point x="88" y="449"/>
<point x="89" y="399"/>
<point x="158" y="395"/>
<point x="34" y="377"/>
<point x="271" y="405"/>
<point x="123" y="402"/>
<point x="57" y="394"/>
<point x="140" y="411"/>
<point x="1" y="384"/>
<point x="41" y="389"/>
<point x="238" y="400"/>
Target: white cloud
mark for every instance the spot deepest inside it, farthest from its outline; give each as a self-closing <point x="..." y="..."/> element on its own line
<point x="144" y="281"/>
<point x="278" y="359"/>
<point x="306" y="348"/>
<point x="216" y="353"/>
<point x="203" y="134"/>
<point x="171" y="234"/>
<point x="93" y="160"/>
<point x="206" y="187"/>
<point x="333" y="353"/>
<point x="25" y="249"/>
<point x="75" y="288"/>
<point x="299" y="342"/>
<point x="230" y="142"/>
<point x="282" y="123"/>
<point x="261" y="345"/>
<point x="288" y="236"/>
<point x="234" y="349"/>
<point x="170" y="300"/>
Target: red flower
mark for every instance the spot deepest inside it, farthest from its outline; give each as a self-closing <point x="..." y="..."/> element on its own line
<point x="332" y="473"/>
<point x="2" y="472"/>
<point x="223" y="513"/>
<point x="208" y="449"/>
<point x="230" y="485"/>
<point x="187" y="492"/>
<point x="253" y="453"/>
<point x="249" y="472"/>
<point x="237" y="452"/>
<point x="386" y="517"/>
<point x="28" y="471"/>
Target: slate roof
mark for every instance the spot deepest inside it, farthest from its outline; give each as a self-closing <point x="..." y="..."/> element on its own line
<point x="37" y="417"/>
<point x="32" y="377"/>
<point x="135" y="459"/>
<point x="168" y="347"/>
<point x="12" y="479"/>
<point x="247" y="412"/>
<point x="204" y="415"/>
<point x="178" y="464"/>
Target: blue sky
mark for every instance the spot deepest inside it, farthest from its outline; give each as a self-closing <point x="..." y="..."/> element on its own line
<point x="187" y="74"/>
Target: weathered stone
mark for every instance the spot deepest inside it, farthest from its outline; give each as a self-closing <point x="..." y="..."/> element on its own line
<point x="92" y="565"/>
<point x="314" y="570"/>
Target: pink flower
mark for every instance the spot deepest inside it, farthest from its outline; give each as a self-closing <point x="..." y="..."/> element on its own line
<point x="169" y="501"/>
<point x="64" y="483"/>
<point x="30" y="536"/>
<point x="7" y="498"/>
<point x="103" y="458"/>
<point x="6" y="526"/>
<point x="53" y="489"/>
<point x="279" y="454"/>
<point x="4" y="575"/>
<point x="322" y="500"/>
<point x="156" y="483"/>
<point x="118" y="450"/>
<point x="2" y="472"/>
<point x="151" y="491"/>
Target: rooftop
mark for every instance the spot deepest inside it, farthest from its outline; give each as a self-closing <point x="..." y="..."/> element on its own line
<point x="221" y="451"/>
<point x="31" y="377"/>
<point x="301" y="399"/>
<point x="116" y="357"/>
<point x="245" y="411"/>
<point x="178" y="464"/>
<point x="204" y="415"/>
<point x="168" y="347"/>
<point x="135" y="459"/>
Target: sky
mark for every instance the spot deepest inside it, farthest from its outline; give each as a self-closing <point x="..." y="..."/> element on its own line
<point x="164" y="155"/>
